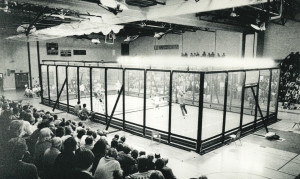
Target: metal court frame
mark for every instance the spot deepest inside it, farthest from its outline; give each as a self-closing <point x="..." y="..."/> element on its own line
<point x="198" y="145"/>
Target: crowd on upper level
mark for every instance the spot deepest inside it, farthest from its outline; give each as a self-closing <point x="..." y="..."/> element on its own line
<point x="289" y="91"/>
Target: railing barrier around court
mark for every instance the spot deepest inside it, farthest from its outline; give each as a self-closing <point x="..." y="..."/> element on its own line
<point x="220" y="102"/>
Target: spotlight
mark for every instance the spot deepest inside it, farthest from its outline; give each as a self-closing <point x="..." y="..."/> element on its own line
<point x="131" y="38"/>
<point x="95" y="41"/>
<point x="261" y="27"/>
<point x="233" y="13"/>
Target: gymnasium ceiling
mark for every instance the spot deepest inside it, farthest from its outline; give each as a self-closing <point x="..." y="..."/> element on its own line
<point x="94" y="18"/>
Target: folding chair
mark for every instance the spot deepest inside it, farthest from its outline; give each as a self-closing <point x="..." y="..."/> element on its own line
<point x="155" y="135"/>
<point x="235" y="137"/>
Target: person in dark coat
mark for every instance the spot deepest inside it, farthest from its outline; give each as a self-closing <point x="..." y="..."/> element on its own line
<point x="84" y="161"/>
<point x="65" y="162"/>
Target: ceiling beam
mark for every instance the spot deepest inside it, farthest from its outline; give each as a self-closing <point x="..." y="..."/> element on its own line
<point x="181" y="7"/>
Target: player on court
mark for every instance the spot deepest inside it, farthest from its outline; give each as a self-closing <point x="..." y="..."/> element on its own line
<point x="156" y="103"/>
<point x="100" y="95"/>
<point x="181" y="102"/>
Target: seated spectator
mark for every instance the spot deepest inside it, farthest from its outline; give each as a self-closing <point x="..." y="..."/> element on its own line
<point x="89" y="143"/>
<point x="65" y="161"/>
<point x="122" y="140"/>
<point x="107" y="165"/>
<point x="202" y="177"/>
<point x="60" y="131"/>
<point x="134" y="154"/>
<point x="114" y="143"/>
<point x="77" y="108"/>
<point x="43" y="143"/>
<point x="166" y="171"/>
<point x="50" y="156"/>
<point x="143" y="172"/>
<point x="99" y="152"/>
<point x="15" y="168"/>
<point x="151" y="164"/>
<point x="15" y="129"/>
<point x="156" y="175"/>
<point x="15" y="114"/>
<point x="126" y="161"/>
<point x="84" y="114"/>
<point x="80" y="132"/>
<point x="142" y="153"/>
<point x="119" y="147"/>
<point x="116" y="137"/>
<point x="35" y="135"/>
<point x="84" y="161"/>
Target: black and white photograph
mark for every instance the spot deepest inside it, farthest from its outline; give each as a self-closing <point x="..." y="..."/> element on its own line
<point x="149" y="89"/>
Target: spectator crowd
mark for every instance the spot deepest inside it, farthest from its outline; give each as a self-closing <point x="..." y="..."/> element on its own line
<point x="38" y="144"/>
<point x="289" y="91"/>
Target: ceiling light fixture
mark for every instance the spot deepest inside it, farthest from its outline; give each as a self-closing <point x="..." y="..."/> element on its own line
<point x="261" y="27"/>
<point x="233" y="13"/>
<point x="95" y="41"/>
<point x="131" y="38"/>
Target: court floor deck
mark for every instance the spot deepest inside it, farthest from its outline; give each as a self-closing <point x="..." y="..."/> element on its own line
<point x="158" y="118"/>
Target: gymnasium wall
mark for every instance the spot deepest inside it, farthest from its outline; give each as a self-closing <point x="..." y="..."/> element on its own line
<point x="221" y="42"/>
<point x="14" y="55"/>
<point x="281" y="40"/>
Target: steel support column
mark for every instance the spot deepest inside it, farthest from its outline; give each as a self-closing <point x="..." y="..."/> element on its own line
<point x="225" y="107"/>
<point x="200" y="113"/>
<point x="170" y="106"/>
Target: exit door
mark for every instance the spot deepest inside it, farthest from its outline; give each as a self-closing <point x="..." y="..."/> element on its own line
<point x="21" y="80"/>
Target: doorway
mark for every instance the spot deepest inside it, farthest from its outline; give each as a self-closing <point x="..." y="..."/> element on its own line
<point x="1" y="82"/>
<point x="21" y="80"/>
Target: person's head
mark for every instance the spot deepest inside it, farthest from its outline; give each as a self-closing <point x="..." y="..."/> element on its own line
<point x="56" y="142"/>
<point x="142" y="164"/>
<point x="156" y="175"/>
<point x="43" y="124"/>
<point x="80" y="133"/>
<point x="141" y="153"/>
<point x="157" y="155"/>
<point x="84" y="159"/>
<point x="45" y="134"/>
<point x="25" y="108"/>
<point x="159" y="164"/>
<point x="16" y="128"/>
<point x="55" y="117"/>
<point x="60" y="131"/>
<point x="89" y="140"/>
<point x="36" y="115"/>
<point x="68" y="130"/>
<point x="126" y="149"/>
<point x="70" y="144"/>
<point x="123" y="139"/>
<point x="114" y="143"/>
<point x="116" y="137"/>
<point x="17" y="148"/>
<point x="134" y="154"/>
<point x="150" y="157"/>
<point x="93" y="134"/>
<point x="80" y="124"/>
<point x="202" y="177"/>
<point x="16" y="111"/>
<point x="84" y="105"/>
<point x="100" y="146"/>
<point x="111" y="152"/>
<point x="120" y="147"/>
